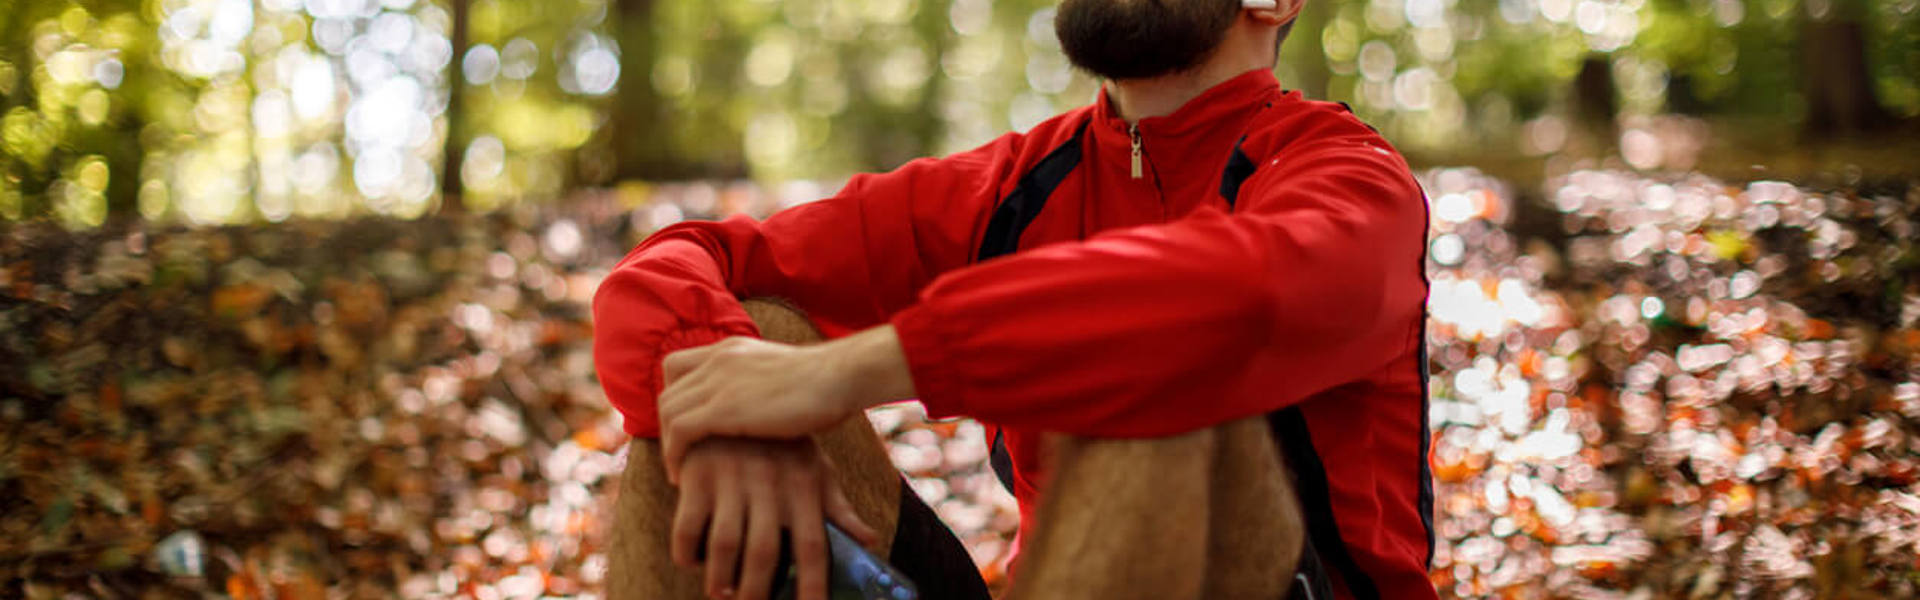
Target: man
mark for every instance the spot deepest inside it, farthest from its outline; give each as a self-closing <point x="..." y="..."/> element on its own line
<point x="1112" y="293"/>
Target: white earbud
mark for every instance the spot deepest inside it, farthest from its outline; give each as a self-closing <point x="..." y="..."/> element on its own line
<point x="1259" y="3"/>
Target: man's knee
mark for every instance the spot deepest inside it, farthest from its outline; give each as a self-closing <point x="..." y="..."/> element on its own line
<point x="640" y="556"/>
<point x="1257" y="533"/>
<point x="1121" y="518"/>
<point x="640" y="563"/>
<point x="640" y="559"/>
<point x="862" y="466"/>
<point x="1209" y="514"/>
<point x="780" y="322"/>
<point x="1119" y="460"/>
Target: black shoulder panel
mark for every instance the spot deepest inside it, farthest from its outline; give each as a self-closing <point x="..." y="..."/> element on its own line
<point x="1019" y="208"/>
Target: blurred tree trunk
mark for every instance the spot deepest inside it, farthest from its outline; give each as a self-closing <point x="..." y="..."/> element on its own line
<point x="1838" y="85"/>
<point x="1592" y="109"/>
<point x="637" y="135"/>
<point x="454" y="149"/>
<point x="1683" y="96"/>
<point x="1593" y="93"/>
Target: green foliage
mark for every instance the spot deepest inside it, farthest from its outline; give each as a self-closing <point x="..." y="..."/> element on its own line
<point x="68" y="80"/>
<point x="215" y="111"/>
<point x="1896" y="55"/>
<point x="815" y="87"/>
<point x="532" y="93"/>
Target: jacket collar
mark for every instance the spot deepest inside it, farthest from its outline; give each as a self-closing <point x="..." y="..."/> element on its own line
<point x="1232" y="99"/>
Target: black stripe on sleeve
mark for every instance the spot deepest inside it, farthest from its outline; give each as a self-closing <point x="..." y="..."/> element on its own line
<point x="1014" y="213"/>
<point x="1239" y="168"/>
<point x="1010" y="219"/>
<point x="1290" y="431"/>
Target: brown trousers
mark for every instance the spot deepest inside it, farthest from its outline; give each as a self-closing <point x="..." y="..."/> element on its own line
<point x="1207" y="514"/>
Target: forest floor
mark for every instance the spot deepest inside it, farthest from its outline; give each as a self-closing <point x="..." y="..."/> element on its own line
<point x="1730" y="149"/>
<point x="407" y="408"/>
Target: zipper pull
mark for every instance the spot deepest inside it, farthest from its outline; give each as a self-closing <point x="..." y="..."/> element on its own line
<point x="1134" y="132"/>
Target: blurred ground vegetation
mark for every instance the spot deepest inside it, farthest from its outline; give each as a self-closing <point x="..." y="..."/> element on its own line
<point x="1687" y="388"/>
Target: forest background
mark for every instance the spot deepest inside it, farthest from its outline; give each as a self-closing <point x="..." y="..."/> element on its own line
<point x="293" y="293"/>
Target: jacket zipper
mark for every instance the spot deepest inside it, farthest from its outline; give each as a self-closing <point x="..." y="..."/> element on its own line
<point x="1133" y="131"/>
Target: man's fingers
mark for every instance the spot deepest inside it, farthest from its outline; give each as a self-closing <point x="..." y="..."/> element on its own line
<point x="690" y="518"/>
<point x="678" y="363"/>
<point x="684" y="394"/>
<point x="807" y="531"/>
<point x="762" y="551"/>
<point x="676" y="401"/>
<point x="840" y="510"/>
<point x="679" y="435"/>
<point x="724" y="537"/>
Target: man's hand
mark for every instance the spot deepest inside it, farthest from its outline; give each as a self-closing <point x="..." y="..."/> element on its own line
<point x="745" y="387"/>
<point x="739" y="494"/>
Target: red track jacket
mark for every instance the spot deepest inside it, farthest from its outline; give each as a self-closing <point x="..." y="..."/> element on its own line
<point x="1267" y="259"/>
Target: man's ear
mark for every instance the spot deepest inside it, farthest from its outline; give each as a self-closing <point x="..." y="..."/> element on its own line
<point x="1273" y="12"/>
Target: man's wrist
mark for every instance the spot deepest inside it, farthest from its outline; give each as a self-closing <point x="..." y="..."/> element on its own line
<point x="874" y="366"/>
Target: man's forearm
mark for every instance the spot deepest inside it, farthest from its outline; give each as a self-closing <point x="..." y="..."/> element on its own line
<point x="871" y="360"/>
<point x="874" y="364"/>
<point x="748" y="387"/>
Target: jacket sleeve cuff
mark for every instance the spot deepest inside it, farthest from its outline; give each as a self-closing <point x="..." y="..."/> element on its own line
<point x="646" y="424"/>
<point x="925" y="342"/>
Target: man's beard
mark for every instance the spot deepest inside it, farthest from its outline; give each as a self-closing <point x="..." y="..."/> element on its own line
<point x="1136" y="39"/>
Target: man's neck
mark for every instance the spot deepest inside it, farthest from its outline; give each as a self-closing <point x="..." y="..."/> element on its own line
<point x="1136" y="99"/>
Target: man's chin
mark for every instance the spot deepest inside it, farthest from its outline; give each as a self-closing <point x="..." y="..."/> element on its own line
<point x="1123" y="41"/>
<point x="1131" y="69"/>
<point x="1138" y="75"/>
